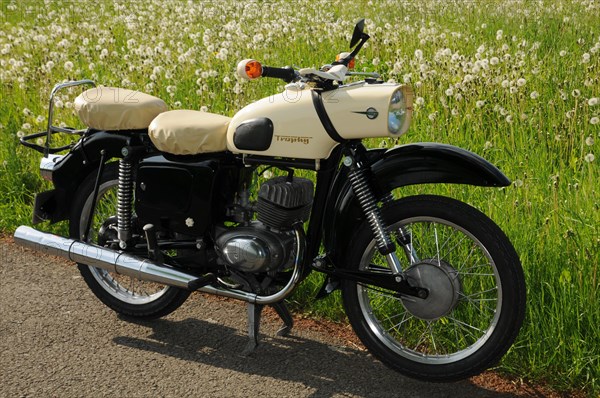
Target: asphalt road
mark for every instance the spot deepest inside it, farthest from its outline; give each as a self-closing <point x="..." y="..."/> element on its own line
<point x="58" y="340"/>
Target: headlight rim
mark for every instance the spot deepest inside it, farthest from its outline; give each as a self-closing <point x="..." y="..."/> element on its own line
<point x="408" y="95"/>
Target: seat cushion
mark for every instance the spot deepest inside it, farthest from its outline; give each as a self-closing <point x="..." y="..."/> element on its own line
<point x="185" y="132"/>
<point x="111" y="108"/>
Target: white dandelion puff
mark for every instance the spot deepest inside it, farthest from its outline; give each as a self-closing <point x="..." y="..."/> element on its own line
<point x="585" y="58"/>
<point x="480" y="104"/>
<point x="594" y="120"/>
<point x="593" y="101"/>
<point x="521" y="82"/>
<point x="589" y="157"/>
<point x="589" y="141"/>
<point x="534" y="95"/>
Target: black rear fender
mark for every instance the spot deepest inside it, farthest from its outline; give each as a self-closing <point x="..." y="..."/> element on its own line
<point x="422" y="163"/>
<point x="74" y="168"/>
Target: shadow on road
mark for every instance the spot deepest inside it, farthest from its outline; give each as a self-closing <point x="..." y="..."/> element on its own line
<point x="328" y="370"/>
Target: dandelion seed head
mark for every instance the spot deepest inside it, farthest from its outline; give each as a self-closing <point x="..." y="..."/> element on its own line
<point x="480" y="104"/>
<point x="589" y="157"/>
<point x="593" y="101"/>
<point x="589" y="141"/>
<point x="595" y="120"/>
<point x="575" y="93"/>
<point x="534" y="95"/>
<point x="521" y="82"/>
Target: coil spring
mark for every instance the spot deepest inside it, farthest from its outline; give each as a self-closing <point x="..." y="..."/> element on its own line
<point x="124" y="200"/>
<point x="368" y="203"/>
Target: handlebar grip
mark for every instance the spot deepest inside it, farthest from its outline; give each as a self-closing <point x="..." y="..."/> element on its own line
<point x="286" y="74"/>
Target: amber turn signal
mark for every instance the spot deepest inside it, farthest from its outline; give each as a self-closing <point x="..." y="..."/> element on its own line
<point x="344" y="55"/>
<point x="249" y="69"/>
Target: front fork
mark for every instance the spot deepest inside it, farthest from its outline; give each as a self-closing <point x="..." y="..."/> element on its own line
<point x="359" y="181"/>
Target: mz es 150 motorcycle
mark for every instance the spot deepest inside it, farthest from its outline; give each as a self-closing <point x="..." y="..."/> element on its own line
<point x="432" y="287"/>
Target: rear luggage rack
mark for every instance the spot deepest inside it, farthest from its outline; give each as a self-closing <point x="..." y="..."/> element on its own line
<point x="47" y="149"/>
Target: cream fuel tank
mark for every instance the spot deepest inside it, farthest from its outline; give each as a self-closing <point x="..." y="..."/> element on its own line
<point x="305" y="123"/>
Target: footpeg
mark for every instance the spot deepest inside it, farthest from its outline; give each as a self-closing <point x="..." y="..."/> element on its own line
<point x="202" y="281"/>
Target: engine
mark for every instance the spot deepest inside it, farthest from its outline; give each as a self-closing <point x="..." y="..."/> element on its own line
<point x="267" y="243"/>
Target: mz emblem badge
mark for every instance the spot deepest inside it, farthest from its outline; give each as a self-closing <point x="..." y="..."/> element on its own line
<point x="371" y="113"/>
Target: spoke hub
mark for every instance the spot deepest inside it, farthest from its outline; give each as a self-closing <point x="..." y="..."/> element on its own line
<point x="441" y="280"/>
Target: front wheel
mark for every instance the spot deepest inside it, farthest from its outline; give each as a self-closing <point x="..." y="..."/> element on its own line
<point x="476" y="300"/>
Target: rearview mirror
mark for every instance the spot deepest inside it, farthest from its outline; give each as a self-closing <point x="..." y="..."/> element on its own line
<point x="358" y="33"/>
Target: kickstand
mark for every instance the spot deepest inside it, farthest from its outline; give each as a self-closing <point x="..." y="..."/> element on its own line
<point x="286" y="317"/>
<point x="254" y="312"/>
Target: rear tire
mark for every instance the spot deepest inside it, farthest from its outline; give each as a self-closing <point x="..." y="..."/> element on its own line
<point x="476" y="302"/>
<point x="126" y="295"/>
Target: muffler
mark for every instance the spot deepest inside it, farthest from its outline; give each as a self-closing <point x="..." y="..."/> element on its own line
<point x="102" y="257"/>
<point x="145" y="269"/>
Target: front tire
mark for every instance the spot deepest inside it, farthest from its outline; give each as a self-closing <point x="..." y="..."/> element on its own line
<point x="125" y="295"/>
<point x="476" y="286"/>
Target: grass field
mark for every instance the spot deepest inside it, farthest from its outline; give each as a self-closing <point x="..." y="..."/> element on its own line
<point x="517" y="82"/>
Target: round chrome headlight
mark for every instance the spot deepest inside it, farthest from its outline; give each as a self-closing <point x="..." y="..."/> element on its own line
<point x="400" y="110"/>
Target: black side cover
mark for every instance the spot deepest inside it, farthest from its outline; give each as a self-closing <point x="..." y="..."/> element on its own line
<point x="254" y="135"/>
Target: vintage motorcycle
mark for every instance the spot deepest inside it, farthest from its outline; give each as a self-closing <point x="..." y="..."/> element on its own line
<point x="432" y="287"/>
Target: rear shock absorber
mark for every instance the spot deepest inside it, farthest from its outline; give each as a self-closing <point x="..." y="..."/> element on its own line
<point x="124" y="202"/>
<point x="360" y="184"/>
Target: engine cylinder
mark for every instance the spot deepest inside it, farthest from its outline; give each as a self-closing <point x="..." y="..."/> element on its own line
<point x="283" y="201"/>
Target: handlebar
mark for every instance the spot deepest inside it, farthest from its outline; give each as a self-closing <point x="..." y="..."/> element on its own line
<point x="286" y="74"/>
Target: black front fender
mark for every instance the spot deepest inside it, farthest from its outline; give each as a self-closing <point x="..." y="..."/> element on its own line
<point x="422" y="163"/>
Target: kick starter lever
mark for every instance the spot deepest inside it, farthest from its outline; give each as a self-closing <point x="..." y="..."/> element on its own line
<point x="153" y="251"/>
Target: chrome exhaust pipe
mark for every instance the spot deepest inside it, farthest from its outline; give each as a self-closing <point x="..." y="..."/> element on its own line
<point x="102" y="257"/>
<point x="145" y="269"/>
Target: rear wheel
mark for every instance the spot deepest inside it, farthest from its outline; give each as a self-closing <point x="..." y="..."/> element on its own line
<point x="126" y="295"/>
<point x="476" y="301"/>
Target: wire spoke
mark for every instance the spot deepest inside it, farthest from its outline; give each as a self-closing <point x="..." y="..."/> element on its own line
<point x="466" y="324"/>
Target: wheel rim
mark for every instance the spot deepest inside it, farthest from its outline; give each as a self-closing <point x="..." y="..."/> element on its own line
<point x="125" y="288"/>
<point x="472" y="318"/>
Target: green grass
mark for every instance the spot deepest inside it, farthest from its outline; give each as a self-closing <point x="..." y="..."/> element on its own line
<point x="541" y="131"/>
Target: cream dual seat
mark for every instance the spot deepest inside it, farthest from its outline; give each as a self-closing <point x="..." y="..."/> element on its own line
<point x="184" y="132"/>
<point x="114" y="109"/>
<point x="179" y="132"/>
